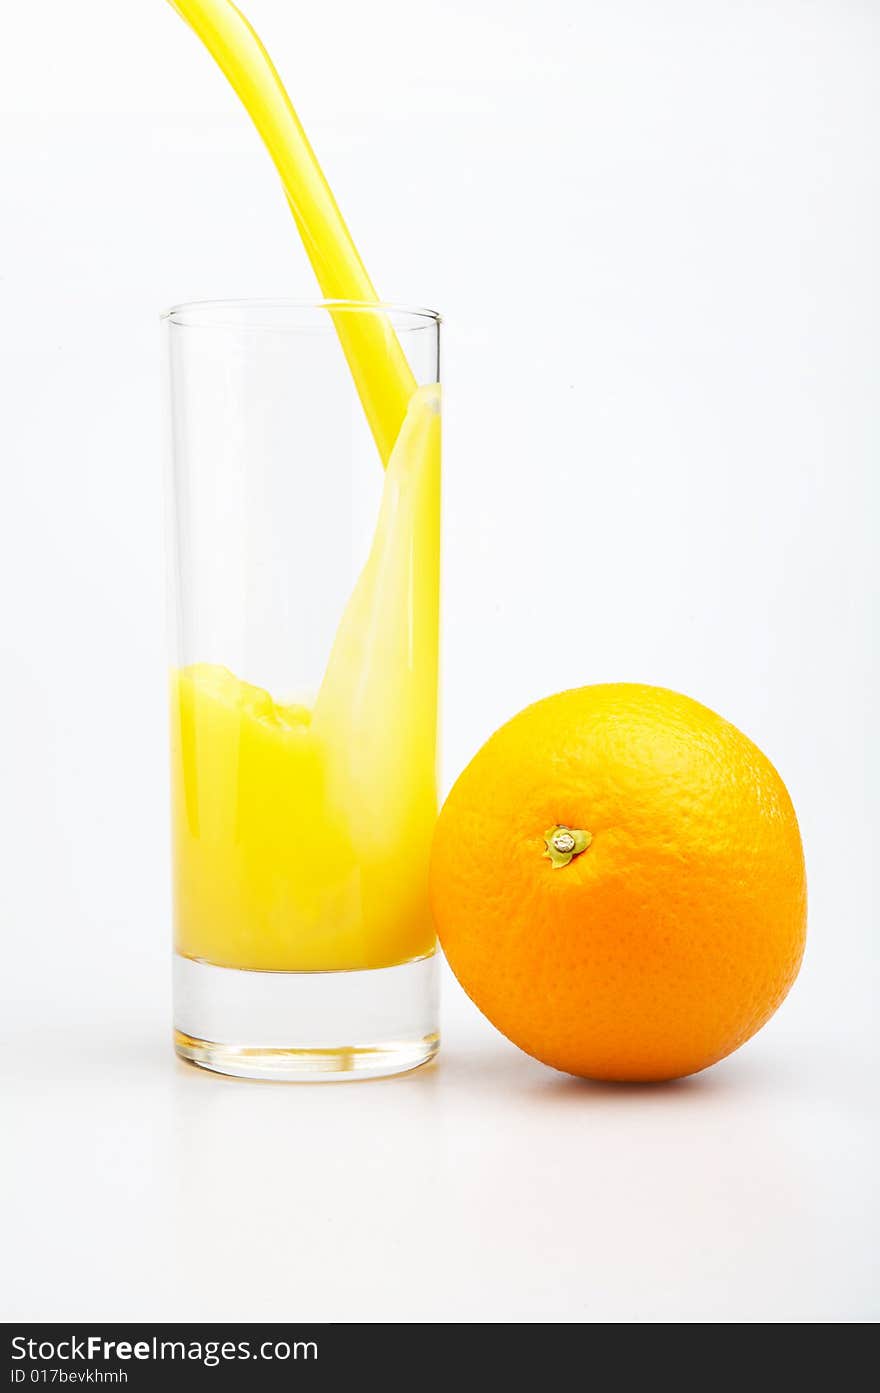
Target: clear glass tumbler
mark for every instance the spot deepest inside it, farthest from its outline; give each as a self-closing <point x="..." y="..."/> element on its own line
<point x="304" y="593"/>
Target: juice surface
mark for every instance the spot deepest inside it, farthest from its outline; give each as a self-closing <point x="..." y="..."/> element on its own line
<point x="302" y="835"/>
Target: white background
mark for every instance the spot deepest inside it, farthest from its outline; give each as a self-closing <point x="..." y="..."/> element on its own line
<point x="653" y="230"/>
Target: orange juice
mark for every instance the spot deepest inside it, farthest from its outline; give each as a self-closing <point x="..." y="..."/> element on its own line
<point x="302" y="833"/>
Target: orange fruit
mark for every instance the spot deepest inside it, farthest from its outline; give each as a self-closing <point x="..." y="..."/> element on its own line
<point x="618" y="883"/>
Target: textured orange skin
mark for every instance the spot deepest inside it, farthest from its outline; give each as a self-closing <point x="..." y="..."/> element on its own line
<point x="674" y="936"/>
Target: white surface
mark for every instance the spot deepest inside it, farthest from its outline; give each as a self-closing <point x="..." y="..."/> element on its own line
<point x="652" y="230"/>
<point x="483" y="1187"/>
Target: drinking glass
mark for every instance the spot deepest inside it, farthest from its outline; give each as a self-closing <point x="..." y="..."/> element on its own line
<point x="303" y="595"/>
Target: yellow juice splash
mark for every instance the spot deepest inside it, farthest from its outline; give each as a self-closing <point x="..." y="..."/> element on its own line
<point x="301" y="836"/>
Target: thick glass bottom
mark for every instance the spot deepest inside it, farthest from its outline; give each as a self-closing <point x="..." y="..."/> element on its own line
<point x="306" y="1026"/>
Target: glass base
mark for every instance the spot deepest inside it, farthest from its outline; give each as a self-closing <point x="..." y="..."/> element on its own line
<point x="301" y="1026"/>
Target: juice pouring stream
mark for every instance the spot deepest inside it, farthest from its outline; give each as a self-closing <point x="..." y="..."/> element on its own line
<point x="302" y="836"/>
<point x="377" y="361"/>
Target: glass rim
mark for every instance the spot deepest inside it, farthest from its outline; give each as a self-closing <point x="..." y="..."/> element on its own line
<point x="210" y="314"/>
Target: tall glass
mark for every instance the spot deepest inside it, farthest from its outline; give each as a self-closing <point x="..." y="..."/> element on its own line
<point x="304" y="584"/>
